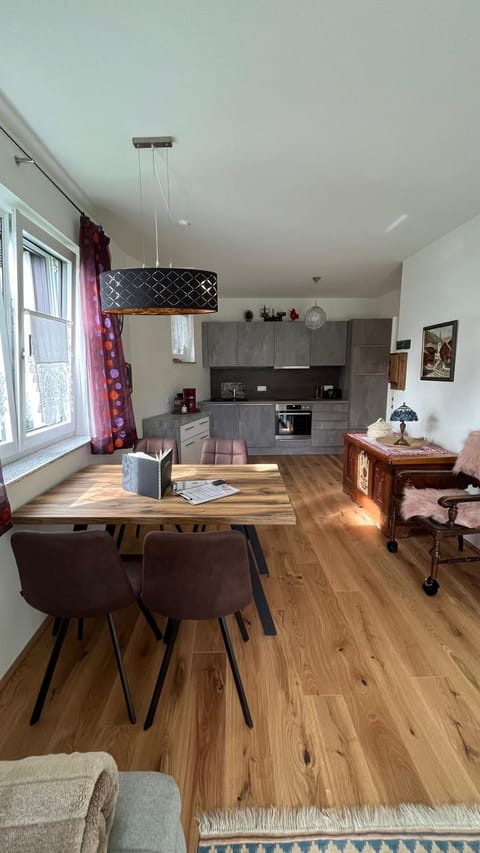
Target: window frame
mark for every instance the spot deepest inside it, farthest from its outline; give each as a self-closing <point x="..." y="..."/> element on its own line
<point x="24" y="226"/>
<point x="189" y="357"/>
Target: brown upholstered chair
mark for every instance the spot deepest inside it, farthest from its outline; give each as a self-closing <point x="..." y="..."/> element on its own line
<point x="152" y="446"/>
<point x="73" y="575"/>
<point x="196" y="576"/>
<point x="438" y="502"/>
<point x="233" y="451"/>
<point x="157" y="445"/>
<point x="224" y="451"/>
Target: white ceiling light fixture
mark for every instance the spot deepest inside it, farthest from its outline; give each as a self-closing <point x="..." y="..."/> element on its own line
<point x="158" y="290"/>
<point x="315" y="317"/>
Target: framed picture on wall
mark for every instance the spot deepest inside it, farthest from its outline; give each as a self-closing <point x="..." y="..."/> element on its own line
<point x="438" y="351"/>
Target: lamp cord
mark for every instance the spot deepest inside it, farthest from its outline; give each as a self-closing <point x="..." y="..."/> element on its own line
<point x="166" y="199"/>
<point x="154" y="171"/>
<point x="141" y="207"/>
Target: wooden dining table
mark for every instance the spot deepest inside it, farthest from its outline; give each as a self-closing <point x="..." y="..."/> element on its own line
<point x="95" y="495"/>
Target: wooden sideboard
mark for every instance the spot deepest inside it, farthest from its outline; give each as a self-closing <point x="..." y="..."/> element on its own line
<point x="370" y="470"/>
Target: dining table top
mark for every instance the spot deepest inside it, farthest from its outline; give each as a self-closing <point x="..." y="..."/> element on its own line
<point x="94" y="495"/>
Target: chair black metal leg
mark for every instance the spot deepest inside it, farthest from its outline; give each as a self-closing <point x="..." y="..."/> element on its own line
<point x="120" y="536"/>
<point x="252" y="535"/>
<point x="460" y="543"/>
<point x="42" y="693"/>
<point x="79" y="527"/>
<point x="56" y="625"/>
<point x="172" y="630"/>
<point x="179" y="528"/>
<point x="242" y="626"/>
<point x="236" y="675"/>
<point x="80" y="629"/>
<point x="110" y="528"/>
<point x="121" y="669"/>
<point x="151" y="621"/>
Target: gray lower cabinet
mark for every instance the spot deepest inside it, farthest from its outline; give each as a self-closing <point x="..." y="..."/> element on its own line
<point x="256" y="344"/>
<point x="292" y="344"/>
<point x="223" y="419"/>
<point x="256" y="424"/>
<point x="220" y="344"/>
<point x="189" y="431"/>
<point x="328" y="345"/>
<point x="329" y="423"/>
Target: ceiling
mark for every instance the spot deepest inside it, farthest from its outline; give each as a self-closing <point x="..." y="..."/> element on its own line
<point x="303" y="129"/>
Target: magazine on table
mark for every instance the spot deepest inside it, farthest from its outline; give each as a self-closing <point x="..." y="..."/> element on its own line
<point x="147" y="475"/>
<point x="201" y="491"/>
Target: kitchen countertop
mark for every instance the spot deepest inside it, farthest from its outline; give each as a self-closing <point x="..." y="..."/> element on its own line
<point x="275" y="400"/>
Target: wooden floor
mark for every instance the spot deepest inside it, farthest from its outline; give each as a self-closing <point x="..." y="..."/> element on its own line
<point x="370" y="693"/>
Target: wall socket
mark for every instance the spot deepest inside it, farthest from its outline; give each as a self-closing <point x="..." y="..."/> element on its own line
<point x="261" y="387"/>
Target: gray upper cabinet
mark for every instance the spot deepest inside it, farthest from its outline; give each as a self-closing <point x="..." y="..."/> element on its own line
<point x="256" y="424"/>
<point x="328" y="345"/>
<point x="256" y="344"/>
<point x="292" y="344"/>
<point x="220" y="344"/>
<point x="223" y="419"/>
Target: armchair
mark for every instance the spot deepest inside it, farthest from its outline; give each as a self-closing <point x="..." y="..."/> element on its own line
<point x="439" y="502"/>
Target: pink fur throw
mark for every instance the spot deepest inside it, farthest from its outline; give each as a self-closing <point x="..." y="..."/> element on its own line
<point x="468" y="459"/>
<point x="424" y="502"/>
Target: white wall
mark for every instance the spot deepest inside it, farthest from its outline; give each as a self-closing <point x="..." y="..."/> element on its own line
<point x="442" y="283"/>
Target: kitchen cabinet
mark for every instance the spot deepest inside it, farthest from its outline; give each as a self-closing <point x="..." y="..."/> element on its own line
<point x="223" y="419"/>
<point x="256" y="344"/>
<point x="367" y="371"/>
<point x="328" y="345"/>
<point x="188" y="431"/>
<point x="292" y="345"/>
<point x="192" y="436"/>
<point x="220" y="344"/>
<point x="397" y="370"/>
<point x="329" y="423"/>
<point x="256" y="424"/>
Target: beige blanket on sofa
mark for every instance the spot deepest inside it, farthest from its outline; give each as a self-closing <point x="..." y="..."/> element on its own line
<point x="57" y="803"/>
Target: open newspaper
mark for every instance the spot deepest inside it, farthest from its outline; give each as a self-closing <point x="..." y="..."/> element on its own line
<point x="201" y="491"/>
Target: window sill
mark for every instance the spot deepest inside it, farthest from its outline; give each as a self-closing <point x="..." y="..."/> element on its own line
<point x="15" y="471"/>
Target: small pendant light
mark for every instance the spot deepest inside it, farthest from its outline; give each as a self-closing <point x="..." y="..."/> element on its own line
<point x="315" y="317"/>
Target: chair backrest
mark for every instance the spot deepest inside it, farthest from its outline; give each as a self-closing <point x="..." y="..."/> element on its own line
<point x="224" y="451"/>
<point x="71" y="574"/>
<point x="468" y="460"/>
<point x="196" y="575"/>
<point x="152" y="446"/>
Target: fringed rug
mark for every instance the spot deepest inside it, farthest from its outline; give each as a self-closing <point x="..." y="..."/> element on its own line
<point x="404" y="829"/>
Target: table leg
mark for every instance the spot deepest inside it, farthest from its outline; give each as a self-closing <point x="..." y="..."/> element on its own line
<point x="259" y="596"/>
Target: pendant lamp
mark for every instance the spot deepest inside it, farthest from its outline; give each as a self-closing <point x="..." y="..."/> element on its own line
<point x="157" y="290"/>
<point x="315" y="317"/>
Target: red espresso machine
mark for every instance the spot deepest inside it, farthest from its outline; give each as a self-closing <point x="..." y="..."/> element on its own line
<point x="190" y="399"/>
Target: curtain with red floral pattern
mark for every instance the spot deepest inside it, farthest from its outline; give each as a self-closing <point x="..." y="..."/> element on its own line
<point x="5" y="513"/>
<point x="112" y="422"/>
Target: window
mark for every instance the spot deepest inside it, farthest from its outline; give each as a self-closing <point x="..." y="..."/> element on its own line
<point x="183" y="337"/>
<point x="37" y="338"/>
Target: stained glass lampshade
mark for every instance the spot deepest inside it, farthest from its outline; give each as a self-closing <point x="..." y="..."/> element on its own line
<point x="403" y="413"/>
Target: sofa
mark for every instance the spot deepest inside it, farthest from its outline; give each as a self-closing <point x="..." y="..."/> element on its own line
<point x="81" y="803"/>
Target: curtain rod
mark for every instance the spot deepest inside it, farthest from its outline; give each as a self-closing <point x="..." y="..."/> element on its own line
<point x="29" y="159"/>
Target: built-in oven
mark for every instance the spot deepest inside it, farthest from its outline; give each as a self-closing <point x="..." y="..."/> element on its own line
<point x="292" y="421"/>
